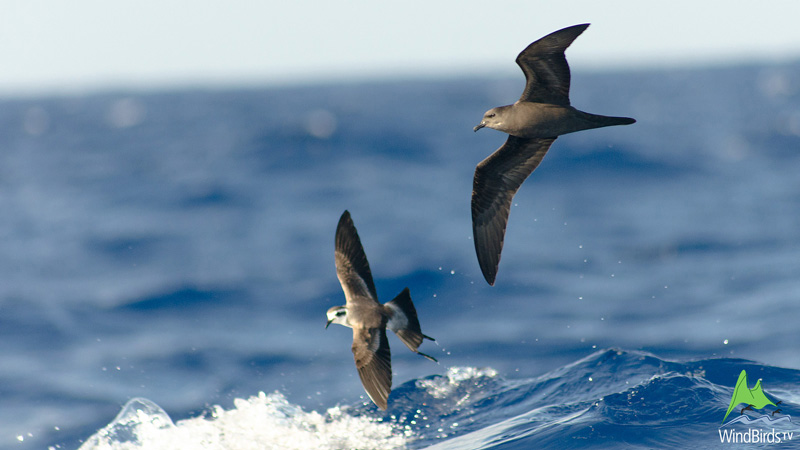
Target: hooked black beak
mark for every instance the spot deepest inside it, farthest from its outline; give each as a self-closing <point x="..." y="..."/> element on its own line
<point x="479" y="126"/>
<point x="328" y="324"/>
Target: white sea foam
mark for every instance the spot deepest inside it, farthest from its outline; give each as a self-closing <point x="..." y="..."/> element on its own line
<point x="260" y="422"/>
<point x="441" y="387"/>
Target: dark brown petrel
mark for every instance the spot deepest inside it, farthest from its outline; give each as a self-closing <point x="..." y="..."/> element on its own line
<point x="368" y="318"/>
<point x="541" y="115"/>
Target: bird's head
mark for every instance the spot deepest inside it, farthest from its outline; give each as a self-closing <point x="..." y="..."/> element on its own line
<point x="337" y="314"/>
<point x="492" y="119"/>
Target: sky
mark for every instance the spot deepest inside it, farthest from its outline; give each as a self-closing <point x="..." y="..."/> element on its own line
<point x="51" y="46"/>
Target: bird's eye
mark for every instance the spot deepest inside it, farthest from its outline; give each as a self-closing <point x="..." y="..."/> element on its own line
<point x="339" y="313"/>
<point x="490" y="115"/>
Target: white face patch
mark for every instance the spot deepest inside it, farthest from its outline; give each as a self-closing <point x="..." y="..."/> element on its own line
<point x="338" y="316"/>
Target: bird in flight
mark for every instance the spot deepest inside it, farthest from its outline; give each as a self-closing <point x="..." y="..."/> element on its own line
<point x="533" y="122"/>
<point x="370" y="319"/>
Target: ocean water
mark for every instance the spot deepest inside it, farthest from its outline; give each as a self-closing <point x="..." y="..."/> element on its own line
<point x="167" y="262"/>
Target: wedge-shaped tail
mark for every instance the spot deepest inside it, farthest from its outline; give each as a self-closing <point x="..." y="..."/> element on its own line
<point x="598" y="121"/>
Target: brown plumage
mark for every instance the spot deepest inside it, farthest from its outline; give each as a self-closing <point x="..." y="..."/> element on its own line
<point x="368" y="318"/>
<point x="542" y="113"/>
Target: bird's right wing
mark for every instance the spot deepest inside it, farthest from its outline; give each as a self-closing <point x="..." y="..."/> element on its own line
<point x="352" y="267"/>
<point x="374" y="363"/>
<point x="497" y="179"/>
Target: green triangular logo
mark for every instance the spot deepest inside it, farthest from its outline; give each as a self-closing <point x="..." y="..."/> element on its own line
<point x="741" y="394"/>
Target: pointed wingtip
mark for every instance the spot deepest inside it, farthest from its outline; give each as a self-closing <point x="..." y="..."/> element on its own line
<point x="575" y="30"/>
<point x="486" y="261"/>
<point x="581" y="26"/>
<point x="489" y="274"/>
<point x="344" y="220"/>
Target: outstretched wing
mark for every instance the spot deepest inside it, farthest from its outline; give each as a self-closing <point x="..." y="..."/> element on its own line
<point x="545" y="66"/>
<point x="497" y="179"/>
<point x="374" y="363"/>
<point x="352" y="267"/>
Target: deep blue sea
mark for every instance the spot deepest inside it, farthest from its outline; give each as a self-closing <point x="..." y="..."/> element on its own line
<point x="175" y="250"/>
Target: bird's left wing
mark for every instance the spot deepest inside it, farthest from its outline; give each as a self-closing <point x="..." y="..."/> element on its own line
<point x="374" y="363"/>
<point x="545" y="66"/>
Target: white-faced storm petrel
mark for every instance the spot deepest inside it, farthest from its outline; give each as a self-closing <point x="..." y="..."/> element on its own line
<point x="540" y="115"/>
<point x="368" y="318"/>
